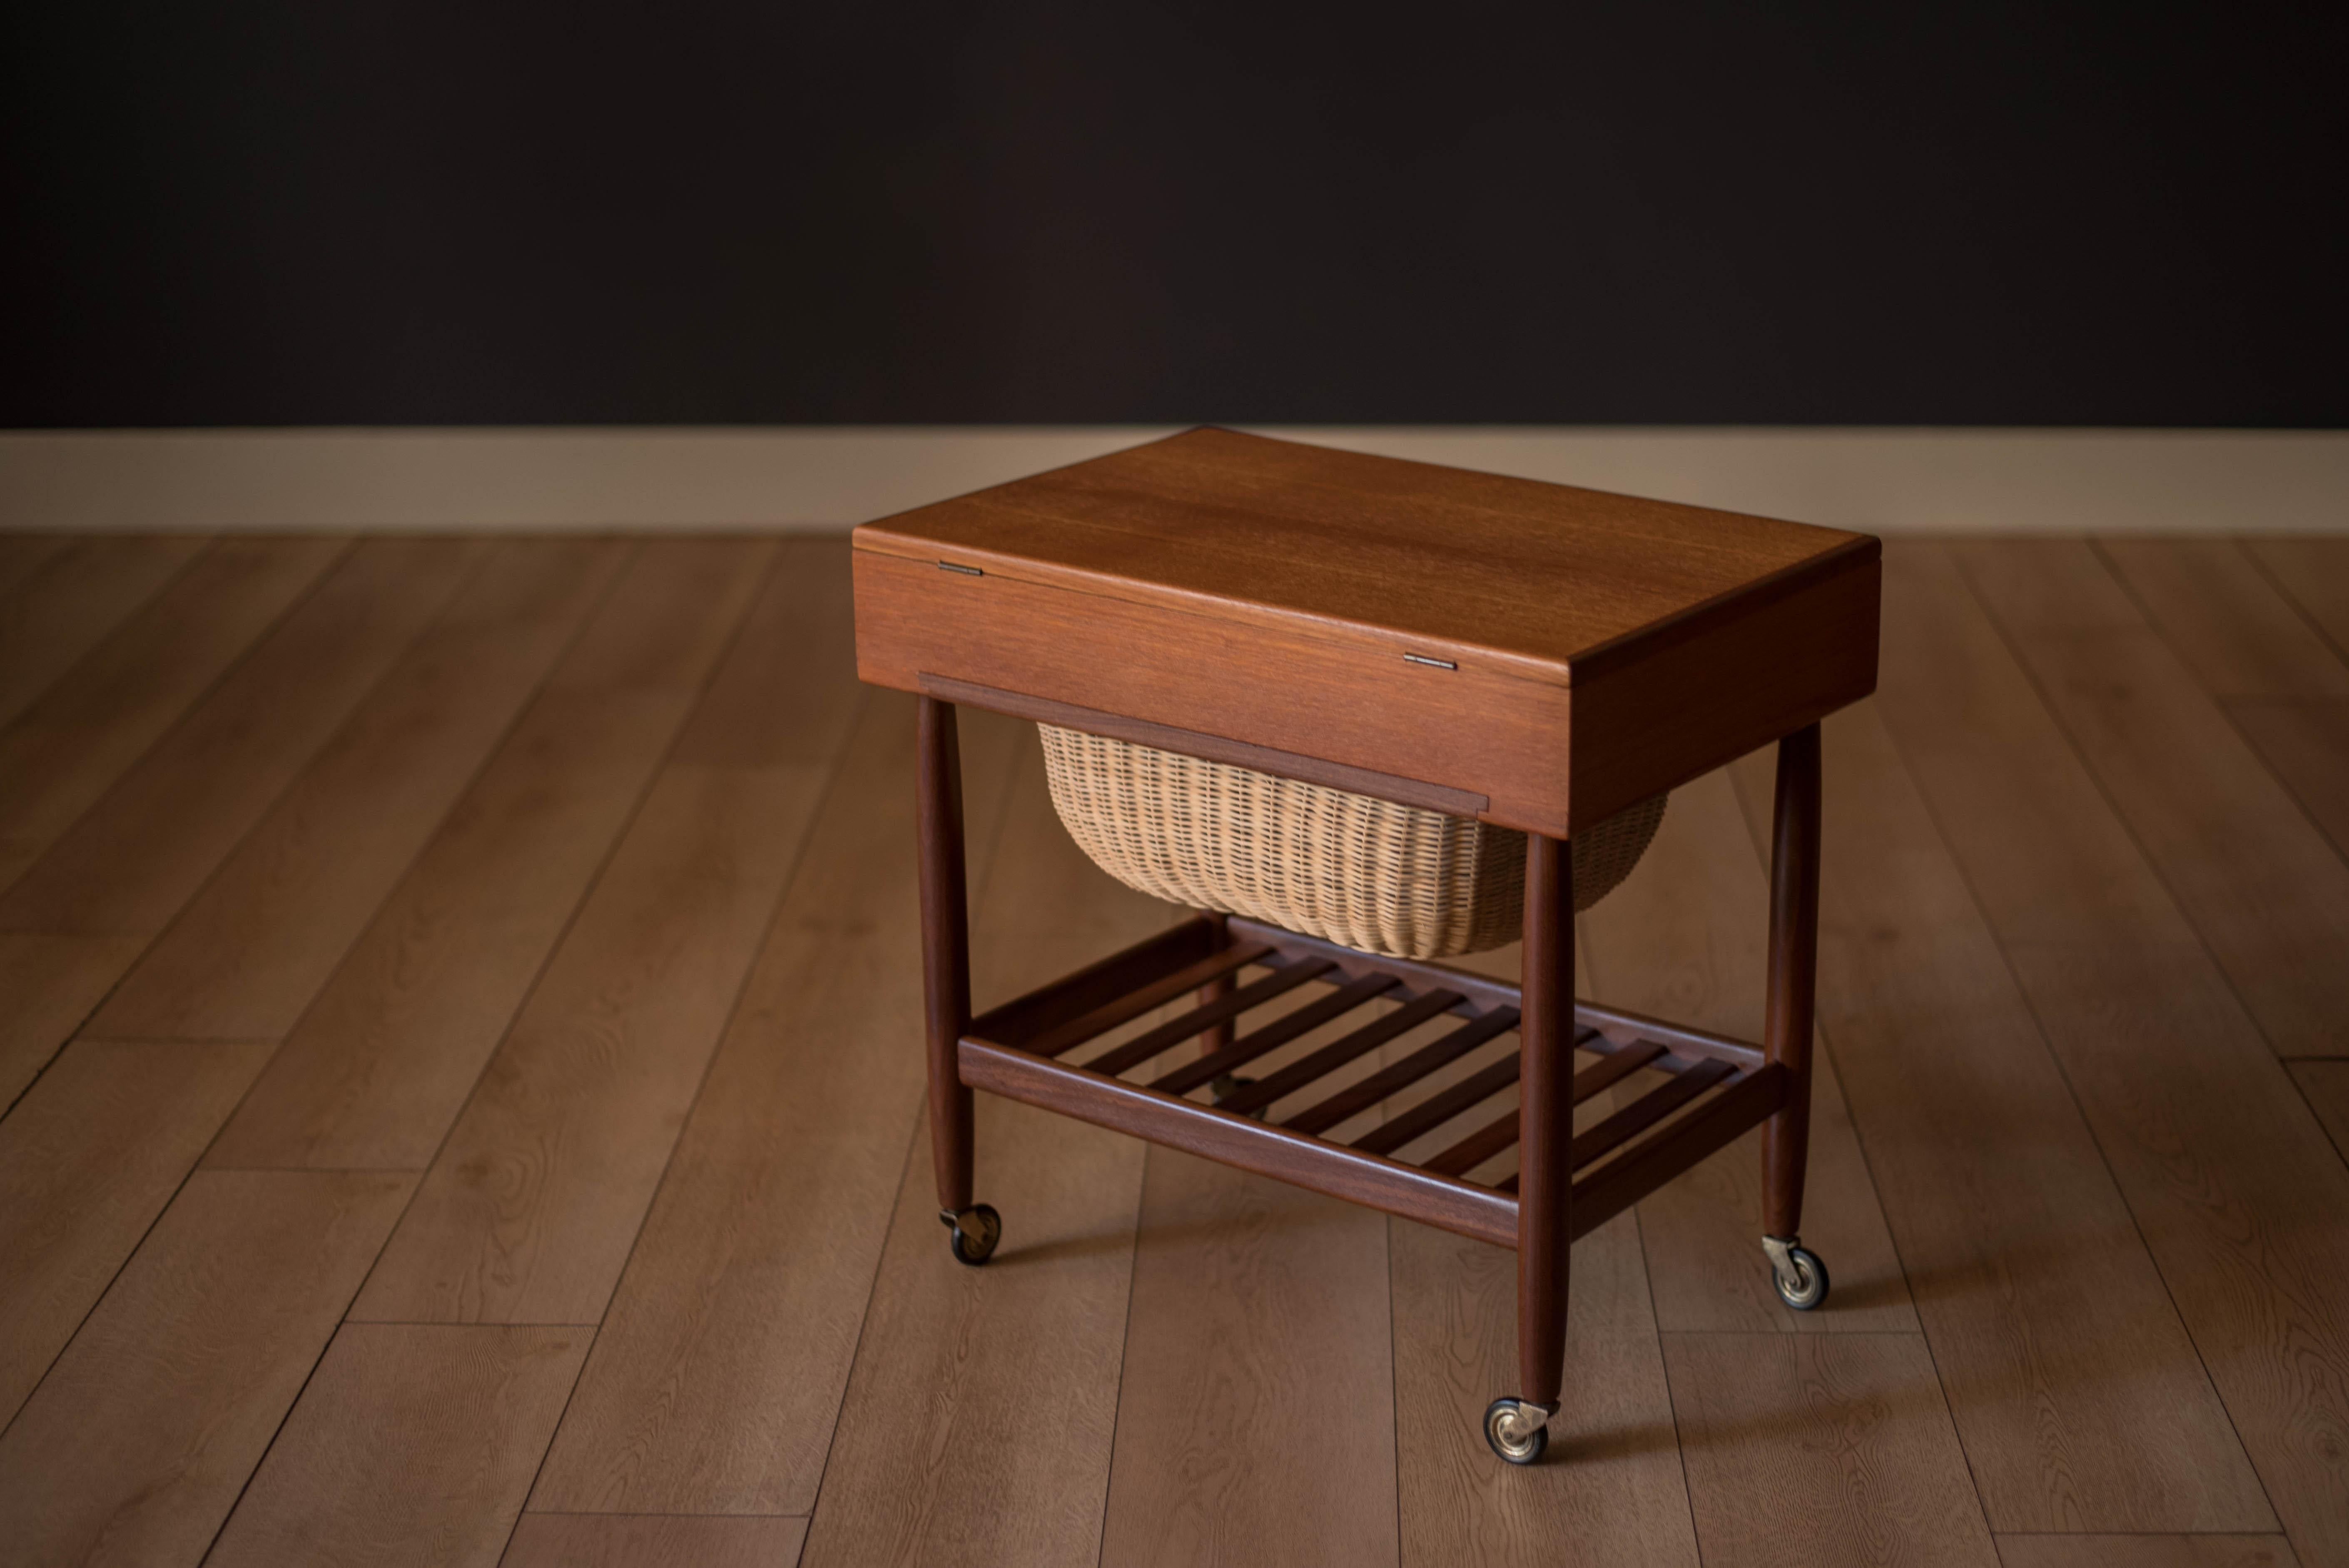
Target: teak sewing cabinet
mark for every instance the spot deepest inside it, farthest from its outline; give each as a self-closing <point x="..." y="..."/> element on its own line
<point x="1530" y="654"/>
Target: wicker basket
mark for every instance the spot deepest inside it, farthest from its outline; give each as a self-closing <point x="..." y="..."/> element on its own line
<point x="1369" y="873"/>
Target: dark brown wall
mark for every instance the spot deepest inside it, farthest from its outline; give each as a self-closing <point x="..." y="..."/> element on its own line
<point x="270" y="212"/>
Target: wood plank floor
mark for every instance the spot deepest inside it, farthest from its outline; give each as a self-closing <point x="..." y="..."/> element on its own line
<point x="459" y="1052"/>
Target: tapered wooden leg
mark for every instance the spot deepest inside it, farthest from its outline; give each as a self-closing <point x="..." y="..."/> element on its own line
<point x="1215" y="1036"/>
<point x="946" y="946"/>
<point x="1545" y="1118"/>
<point x="1794" y="958"/>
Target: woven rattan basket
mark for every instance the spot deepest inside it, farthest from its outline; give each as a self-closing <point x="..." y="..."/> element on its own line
<point x="1376" y="876"/>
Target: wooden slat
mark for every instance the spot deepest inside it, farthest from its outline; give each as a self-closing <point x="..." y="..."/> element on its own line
<point x="1478" y="992"/>
<point x="1665" y="1154"/>
<point x="1272" y="1035"/>
<point x="1011" y="1369"/>
<point x="136" y="857"/>
<point x="1234" y="1141"/>
<point x="2242" y="1205"/>
<point x="717" y="1377"/>
<point x="71" y="600"/>
<point x="1804" y="1448"/>
<point x="1318" y="1065"/>
<point x="1647" y="1111"/>
<point x="382" y="1062"/>
<point x="2076" y="1388"/>
<point x="1619" y="1025"/>
<point x="1187" y="1025"/>
<point x="1134" y="1004"/>
<point x="1256" y="1401"/>
<point x="62" y="752"/>
<point x="136" y="1445"/>
<point x="407" y="1434"/>
<point x="1428" y="1058"/>
<point x="653" y="1541"/>
<point x="1015" y="1022"/>
<point x="252" y="949"/>
<point x="1437" y="1109"/>
<point x="1686" y="935"/>
<point x="1614" y="1067"/>
<point x="1473" y="1150"/>
<point x="87" y="1162"/>
<point x="1612" y="1490"/>
<point x="2256" y="878"/>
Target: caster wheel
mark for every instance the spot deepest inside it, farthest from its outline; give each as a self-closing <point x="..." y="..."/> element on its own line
<point x="975" y="1230"/>
<point x="1518" y="1431"/>
<point x="1229" y="1085"/>
<point x="1800" y="1277"/>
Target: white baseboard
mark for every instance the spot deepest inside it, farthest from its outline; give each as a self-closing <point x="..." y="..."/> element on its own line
<point x="824" y="478"/>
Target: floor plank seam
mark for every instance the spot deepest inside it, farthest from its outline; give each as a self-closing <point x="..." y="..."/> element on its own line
<point x="2283" y="591"/>
<point x="1824" y="1044"/>
<point x="2103" y="792"/>
<point x="717" y="660"/>
<point x="2225" y="707"/>
<point x="98" y="1297"/>
<point x="220" y="678"/>
<point x="2055" y="1059"/>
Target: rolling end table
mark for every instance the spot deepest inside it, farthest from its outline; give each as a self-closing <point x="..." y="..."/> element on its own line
<point x="1530" y="655"/>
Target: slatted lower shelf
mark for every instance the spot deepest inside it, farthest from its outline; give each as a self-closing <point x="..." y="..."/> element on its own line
<point x="1037" y="1049"/>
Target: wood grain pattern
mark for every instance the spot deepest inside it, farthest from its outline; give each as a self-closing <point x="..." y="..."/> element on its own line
<point x="61" y="752"/>
<point x="2077" y="1393"/>
<point x="131" y="862"/>
<point x="52" y="982"/>
<point x="250" y="950"/>
<point x="1683" y="937"/>
<point x="1410" y="554"/>
<point x="717" y="1377"/>
<point x="1277" y="595"/>
<point x="2257" y="879"/>
<point x="2144" y="1551"/>
<point x="1255" y="1411"/>
<point x="978" y="1423"/>
<point x="87" y="1162"/>
<point x="653" y="1541"/>
<point x="530" y="1206"/>
<point x="71" y="598"/>
<point x="136" y="1443"/>
<point x="2244" y="1207"/>
<point x="1611" y="1490"/>
<point x="382" y="1062"/>
<point x="2221" y="615"/>
<point x="411" y="1439"/>
<point x="1821" y="1448"/>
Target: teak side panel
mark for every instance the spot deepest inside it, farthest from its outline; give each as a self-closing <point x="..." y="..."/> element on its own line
<point x="1469" y="730"/>
<point x="1656" y="722"/>
<point x="1546" y="759"/>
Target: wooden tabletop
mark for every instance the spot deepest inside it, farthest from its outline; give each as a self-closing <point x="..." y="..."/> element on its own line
<point x="1423" y="624"/>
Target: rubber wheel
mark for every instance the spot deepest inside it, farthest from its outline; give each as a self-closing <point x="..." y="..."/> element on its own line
<point x="1810" y="1286"/>
<point x="1518" y="1451"/>
<point x="975" y="1230"/>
